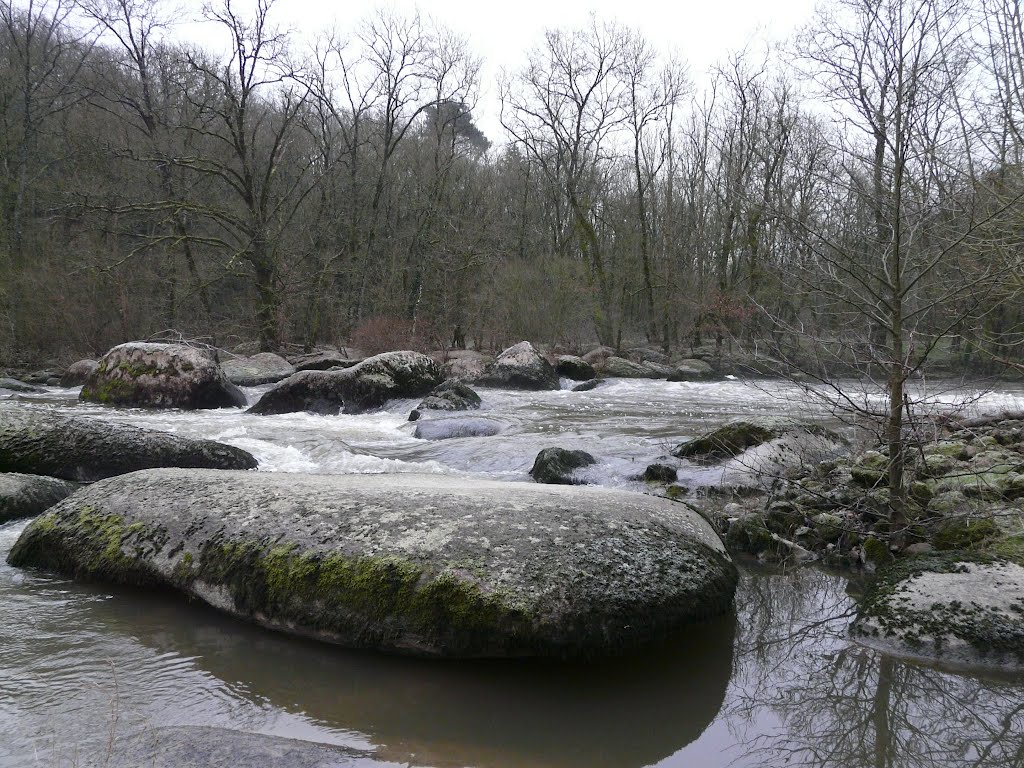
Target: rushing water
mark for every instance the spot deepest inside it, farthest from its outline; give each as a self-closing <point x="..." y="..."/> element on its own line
<point x="777" y="684"/>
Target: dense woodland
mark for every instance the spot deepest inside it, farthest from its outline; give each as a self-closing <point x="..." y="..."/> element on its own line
<point x="854" y="195"/>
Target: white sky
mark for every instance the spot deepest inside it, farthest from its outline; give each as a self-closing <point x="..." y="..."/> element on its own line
<point x="702" y="32"/>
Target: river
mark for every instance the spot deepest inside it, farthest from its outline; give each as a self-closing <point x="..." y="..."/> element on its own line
<point x="778" y="683"/>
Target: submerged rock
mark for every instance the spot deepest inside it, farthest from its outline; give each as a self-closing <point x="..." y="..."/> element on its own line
<point x="151" y="375"/>
<point x="78" y="373"/>
<point x="520" y="367"/>
<point x="556" y="465"/>
<point x="28" y="495"/>
<point x="417" y="564"/>
<point x="446" y="429"/>
<point x="264" y="368"/>
<point x="201" y="747"/>
<point x="450" y="395"/>
<point x="75" y="448"/>
<point x="586" y="386"/>
<point x="365" y="386"/>
<point x="953" y="608"/>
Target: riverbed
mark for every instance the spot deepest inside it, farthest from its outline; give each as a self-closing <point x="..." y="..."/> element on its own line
<point x="778" y="683"/>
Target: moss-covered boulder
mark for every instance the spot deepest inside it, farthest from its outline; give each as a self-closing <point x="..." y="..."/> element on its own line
<point x="956" y="608"/>
<point x="520" y="367"/>
<point x="363" y="387"/>
<point x="730" y="439"/>
<point x="40" y="442"/>
<point x="558" y="465"/>
<point x="418" y="564"/>
<point x="28" y="495"/>
<point x="262" y="368"/>
<point x="870" y="469"/>
<point x="149" y="375"/>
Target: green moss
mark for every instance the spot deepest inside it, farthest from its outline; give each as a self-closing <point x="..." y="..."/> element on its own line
<point x="965" y="534"/>
<point x="1010" y="548"/>
<point x="364" y="599"/>
<point x="876" y="552"/>
<point x="139" y="369"/>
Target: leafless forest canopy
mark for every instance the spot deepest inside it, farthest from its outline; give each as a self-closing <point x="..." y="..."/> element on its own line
<point x="854" y="196"/>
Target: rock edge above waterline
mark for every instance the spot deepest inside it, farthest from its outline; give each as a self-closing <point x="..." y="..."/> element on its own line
<point x="411" y="563"/>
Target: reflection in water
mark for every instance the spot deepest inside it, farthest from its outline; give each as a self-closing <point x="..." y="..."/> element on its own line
<point x="834" y="703"/>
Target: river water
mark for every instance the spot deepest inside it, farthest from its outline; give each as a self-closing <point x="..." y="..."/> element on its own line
<point x="778" y="683"/>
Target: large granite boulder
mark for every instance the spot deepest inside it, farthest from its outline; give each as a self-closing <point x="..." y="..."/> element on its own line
<point x="76" y="374"/>
<point x="152" y="375"/>
<point x="324" y="360"/>
<point x="466" y="365"/>
<point x="39" y="442"/>
<point x="958" y="609"/>
<point x="520" y="367"/>
<point x="558" y="465"/>
<point x="28" y="495"/>
<point x="263" y="368"/>
<point x="419" y="564"/>
<point x="365" y="386"/>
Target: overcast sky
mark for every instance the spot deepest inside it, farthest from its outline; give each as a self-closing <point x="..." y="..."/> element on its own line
<point x="701" y="31"/>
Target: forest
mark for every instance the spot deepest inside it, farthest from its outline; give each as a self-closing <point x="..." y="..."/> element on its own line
<point x="849" y="198"/>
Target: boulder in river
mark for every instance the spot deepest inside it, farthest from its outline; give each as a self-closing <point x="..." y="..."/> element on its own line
<point x="448" y="428"/>
<point x="520" y="367"/>
<point x="556" y="465"/>
<point x="15" y="385"/>
<point x="575" y="368"/>
<point x="450" y="395"/>
<point x="28" y="495"/>
<point x="621" y="368"/>
<point x="324" y="360"/>
<point x="692" y="370"/>
<point x="736" y="436"/>
<point x="262" y="368"/>
<point x="152" y="375"/>
<point x="365" y="386"/>
<point x="39" y="442"/>
<point x="956" y="608"/>
<point x="76" y="374"/>
<point x="419" y="564"/>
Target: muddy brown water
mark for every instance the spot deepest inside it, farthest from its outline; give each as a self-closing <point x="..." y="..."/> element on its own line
<point x="777" y="683"/>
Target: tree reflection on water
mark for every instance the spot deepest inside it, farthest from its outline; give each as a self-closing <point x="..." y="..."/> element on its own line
<point x="814" y="698"/>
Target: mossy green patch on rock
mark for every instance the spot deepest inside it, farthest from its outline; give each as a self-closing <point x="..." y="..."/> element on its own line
<point x="965" y="533"/>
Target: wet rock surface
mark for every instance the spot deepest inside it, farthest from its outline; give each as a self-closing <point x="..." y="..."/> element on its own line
<point x="84" y="449"/>
<point x="16" y="385"/>
<point x="419" y="564"/>
<point x="955" y="609"/>
<point x="365" y="386"/>
<point x="199" y="747"/>
<point x="27" y="495"/>
<point x="151" y="375"/>
<point x="520" y="367"/>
